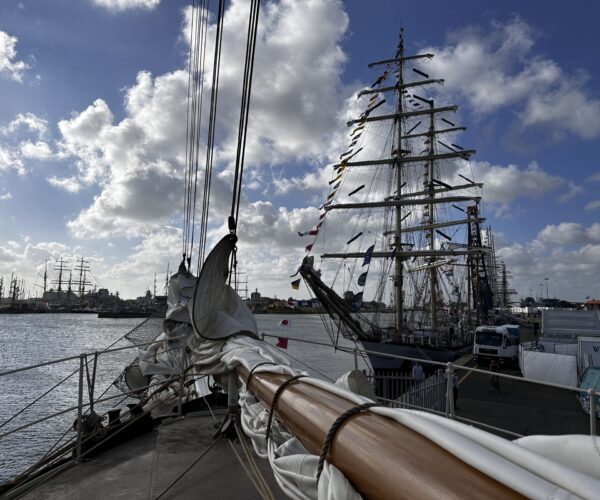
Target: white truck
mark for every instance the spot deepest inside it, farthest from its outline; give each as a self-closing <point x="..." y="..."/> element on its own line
<point x="497" y="342"/>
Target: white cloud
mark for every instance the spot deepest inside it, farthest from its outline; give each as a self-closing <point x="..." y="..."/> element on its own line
<point x="566" y="253"/>
<point x="28" y="121"/>
<point x="5" y="196"/>
<point x="573" y="191"/>
<point x="503" y="185"/>
<point x="121" y="5"/>
<point x="69" y="184"/>
<point x="12" y="152"/>
<point x="9" y="66"/>
<point x="499" y="67"/>
<point x="593" y="205"/>
<point x="37" y="150"/>
<point x="138" y="162"/>
<point x="9" y="159"/>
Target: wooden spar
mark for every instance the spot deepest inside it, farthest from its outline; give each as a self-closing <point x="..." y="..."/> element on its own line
<point x="403" y="202"/>
<point x="404" y="114"/>
<point x="406" y="253"/>
<point x="399" y="87"/>
<point x="409" y="159"/>
<point x="400" y="59"/>
<point x="380" y="457"/>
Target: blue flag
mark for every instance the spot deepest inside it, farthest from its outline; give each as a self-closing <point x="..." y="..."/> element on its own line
<point x="357" y="302"/>
<point x="362" y="279"/>
<point x="368" y="255"/>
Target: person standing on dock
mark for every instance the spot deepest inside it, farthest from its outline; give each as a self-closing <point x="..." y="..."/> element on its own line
<point x="495" y="380"/>
<point x="455" y="389"/>
<point x="417" y="372"/>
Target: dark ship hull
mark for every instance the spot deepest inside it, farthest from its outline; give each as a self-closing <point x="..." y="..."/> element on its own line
<point x="382" y="364"/>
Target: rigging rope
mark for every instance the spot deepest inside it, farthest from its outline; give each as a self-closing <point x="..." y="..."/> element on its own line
<point x="211" y="135"/>
<point x="244" y="113"/>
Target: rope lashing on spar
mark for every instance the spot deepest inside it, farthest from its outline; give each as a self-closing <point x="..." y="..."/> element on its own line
<point x="278" y="393"/>
<point x="334" y="428"/>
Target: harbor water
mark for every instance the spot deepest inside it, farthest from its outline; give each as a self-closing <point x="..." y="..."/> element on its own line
<point x="29" y="339"/>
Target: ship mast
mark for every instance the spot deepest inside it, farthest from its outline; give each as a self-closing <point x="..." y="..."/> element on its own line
<point x="430" y="218"/>
<point x="398" y="278"/>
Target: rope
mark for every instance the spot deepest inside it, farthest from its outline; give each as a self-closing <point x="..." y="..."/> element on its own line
<point x="253" y="465"/>
<point x="254" y="368"/>
<point x="244" y="113"/>
<point x="251" y="475"/>
<point x="333" y="430"/>
<point x="91" y="380"/>
<point x="278" y="392"/>
<point x="211" y="135"/>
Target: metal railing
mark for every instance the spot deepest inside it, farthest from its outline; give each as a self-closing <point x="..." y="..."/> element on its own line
<point x="87" y="383"/>
<point x="449" y="371"/>
<point x="434" y="394"/>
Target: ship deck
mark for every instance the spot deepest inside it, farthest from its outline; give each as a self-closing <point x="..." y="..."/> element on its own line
<point x="144" y="467"/>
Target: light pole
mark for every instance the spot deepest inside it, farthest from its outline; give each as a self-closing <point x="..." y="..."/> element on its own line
<point x="541" y="292"/>
<point x="546" y="280"/>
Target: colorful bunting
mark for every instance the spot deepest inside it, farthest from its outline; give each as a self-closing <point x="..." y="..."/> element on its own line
<point x="296" y="284"/>
<point x="309" y="247"/>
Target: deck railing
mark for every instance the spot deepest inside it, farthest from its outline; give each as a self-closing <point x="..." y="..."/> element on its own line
<point x="451" y="368"/>
<point x="434" y="394"/>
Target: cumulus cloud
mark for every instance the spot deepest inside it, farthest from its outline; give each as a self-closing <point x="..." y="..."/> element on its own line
<point x="27" y="122"/>
<point x="5" y="196"/>
<point x="10" y="159"/>
<point x="10" y="67"/>
<point x="121" y="5"/>
<point x="504" y="185"/>
<point x="37" y="150"/>
<point x="138" y="162"/>
<point x="567" y="253"/>
<point x="68" y="184"/>
<point x="499" y="67"/>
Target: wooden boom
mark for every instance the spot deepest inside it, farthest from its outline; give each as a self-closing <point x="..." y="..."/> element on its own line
<point x="380" y="457"/>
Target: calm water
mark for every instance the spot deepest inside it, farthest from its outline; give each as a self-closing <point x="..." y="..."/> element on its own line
<point x="34" y="338"/>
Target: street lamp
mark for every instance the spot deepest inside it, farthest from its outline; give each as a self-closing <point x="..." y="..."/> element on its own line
<point x="546" y="280"/>
<point x="541" y="291"/>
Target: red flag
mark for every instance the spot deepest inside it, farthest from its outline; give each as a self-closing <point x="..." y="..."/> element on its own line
<point x="282" y="342"/>
<point x="284" y="322"/>
<point x="309" y="248"/>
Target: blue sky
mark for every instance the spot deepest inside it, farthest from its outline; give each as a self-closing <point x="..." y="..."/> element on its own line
<point x="92" y="124"/>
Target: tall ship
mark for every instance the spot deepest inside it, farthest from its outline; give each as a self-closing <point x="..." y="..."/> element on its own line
<point x="209" y="396"/>
<point x="402" y="225"/>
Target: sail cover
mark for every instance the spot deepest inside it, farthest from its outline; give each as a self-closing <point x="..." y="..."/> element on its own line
<point x="218" y="312"/>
